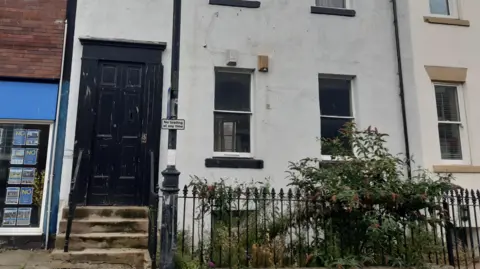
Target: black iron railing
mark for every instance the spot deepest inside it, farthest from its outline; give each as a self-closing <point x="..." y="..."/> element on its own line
<point x="72" y="200"/>
<point x="153" y="214"/>
<point x="268" y="228"/>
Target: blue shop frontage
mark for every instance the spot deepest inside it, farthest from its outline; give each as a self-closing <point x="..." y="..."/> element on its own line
<point x="27" y="123"/>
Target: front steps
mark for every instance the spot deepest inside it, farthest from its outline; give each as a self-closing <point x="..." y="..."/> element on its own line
<point x="108" y="235"/>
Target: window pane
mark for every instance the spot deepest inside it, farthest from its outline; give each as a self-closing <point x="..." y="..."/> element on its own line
<point x="232" y="132"/>
<point x="447" y="103"/>
<point x="330" y="3"/>
<point x="450" y="145"/>
<point x="335" y="97"/>
<point x="232" y="91"/>
<point x="23" y="157"/>
<point x="439" y="7"/>
<point x="330" y="129"/>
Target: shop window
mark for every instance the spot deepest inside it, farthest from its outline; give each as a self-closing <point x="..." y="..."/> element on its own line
<point x="23" y="156"/>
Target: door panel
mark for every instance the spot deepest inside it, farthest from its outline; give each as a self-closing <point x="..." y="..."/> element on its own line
<point x="118" y="121"/>
<point x="116" y="150"/>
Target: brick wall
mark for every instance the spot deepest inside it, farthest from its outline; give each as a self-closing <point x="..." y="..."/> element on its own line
<point x="31" y="38"/>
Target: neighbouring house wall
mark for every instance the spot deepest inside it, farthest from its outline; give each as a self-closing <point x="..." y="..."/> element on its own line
<point x="445" y="46"/>
<point x="31" y="38"/>
<point x="31" y="46"/>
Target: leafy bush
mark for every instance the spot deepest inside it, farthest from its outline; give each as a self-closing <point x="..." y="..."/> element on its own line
<point x="365" y="198"/>
<point x="358" y="210"/>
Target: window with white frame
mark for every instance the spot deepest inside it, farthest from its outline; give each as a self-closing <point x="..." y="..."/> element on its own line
<point x="450" y="121"/>
<point x="336" y="108"/>
<point x="443" y="7"/>
<point x="232" y="114"/>
<point x="331" y="3"/>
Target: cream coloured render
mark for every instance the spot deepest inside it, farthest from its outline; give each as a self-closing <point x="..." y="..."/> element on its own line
<point x="438" y="48"/>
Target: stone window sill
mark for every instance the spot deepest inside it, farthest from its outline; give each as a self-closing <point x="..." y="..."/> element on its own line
<point x="236" y="3"/>
<point x="470" y="169"/>
<point x="446" y="21"/>
<point x="238" y="163"/>
<point x="333" y="11"/>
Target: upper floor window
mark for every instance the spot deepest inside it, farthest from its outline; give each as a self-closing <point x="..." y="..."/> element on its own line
<point x="232" y="114"/>
<point x="331" y="3"/>
<point x="443" y="7"/>
<point x="451" y="122"/>
<point x="335" y="109"/>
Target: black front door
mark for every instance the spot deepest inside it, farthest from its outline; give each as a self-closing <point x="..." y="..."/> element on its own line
<point x="117" y="124"/>
<point x="117" y="137"/>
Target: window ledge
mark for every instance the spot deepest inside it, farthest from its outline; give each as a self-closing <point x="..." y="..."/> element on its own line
<point x="333" y="11"/>
<point x="240" y="163"/>
<point x="236" y="3"/>
<point x="472" y="169"/>
<point x="446" y="21"/>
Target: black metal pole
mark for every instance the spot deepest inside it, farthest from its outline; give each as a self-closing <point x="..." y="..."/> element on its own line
<point x="170" y="185"/>
<point x="402" y="88"/>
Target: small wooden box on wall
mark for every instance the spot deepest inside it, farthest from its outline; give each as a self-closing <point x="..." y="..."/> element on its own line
<point x="262" y="63"/>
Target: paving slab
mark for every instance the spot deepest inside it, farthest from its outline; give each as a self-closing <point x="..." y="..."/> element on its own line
<point x="41" y="259"/>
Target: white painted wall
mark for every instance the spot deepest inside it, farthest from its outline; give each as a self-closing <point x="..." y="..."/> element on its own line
<point x="141" y="20"/>
<point x="286" y="106"/>
<point x="440" y="45"/>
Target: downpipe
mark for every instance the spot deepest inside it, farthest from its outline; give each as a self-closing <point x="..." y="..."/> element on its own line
<point x="55" y="135"/>
<point x="402" y="87"/>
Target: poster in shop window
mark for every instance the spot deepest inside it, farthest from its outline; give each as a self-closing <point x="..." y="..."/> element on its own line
<point x="28" y="176"/>
<point x="12" y="196"/>
<point x="15" y="176"/>
<point x="2" y="135"/>
<point x="23" y="216"/>
<point x="19" y="136"/>
<point x="17" y="156"/>
<point x="9" y="216"/>
<point x="30" y="157"/>
<point x="32" y="137"/>
<point x="26" y="196"/>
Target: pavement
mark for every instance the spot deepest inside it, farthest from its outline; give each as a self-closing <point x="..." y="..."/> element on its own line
<point x="40" y="259"/>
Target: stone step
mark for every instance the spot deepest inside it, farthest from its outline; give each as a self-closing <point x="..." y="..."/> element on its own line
<point x="106" y="225"/>
<point x="128" y="258"/>
<point x="126" y="212"/>
<point x="103" y="241"/>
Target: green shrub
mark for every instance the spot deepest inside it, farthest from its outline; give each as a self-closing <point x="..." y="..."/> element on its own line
<point x="360" y="210"/>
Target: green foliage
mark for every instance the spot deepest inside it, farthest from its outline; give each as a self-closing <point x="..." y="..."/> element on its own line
<point x="38" y="184"/>
<point x="359" y="210"/>
<point x="244" y="233"/>
<point x="365" y="198"/>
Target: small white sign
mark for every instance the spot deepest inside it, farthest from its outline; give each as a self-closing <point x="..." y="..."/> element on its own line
<point x="173" y="124"/>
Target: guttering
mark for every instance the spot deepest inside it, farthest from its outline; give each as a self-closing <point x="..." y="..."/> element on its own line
<point x="402" y="87"/>
<point x="55" y="134"/>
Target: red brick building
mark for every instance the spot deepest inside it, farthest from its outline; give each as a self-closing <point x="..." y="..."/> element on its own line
<point x="31" y="38"/>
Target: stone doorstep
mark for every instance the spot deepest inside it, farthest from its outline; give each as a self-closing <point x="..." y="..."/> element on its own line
<point x="106" y="225"/>
<point x="103" y="241"/>
<point x="126" y="212"/>
<point x="84" y="265"/>
<point x="136" y="258"/>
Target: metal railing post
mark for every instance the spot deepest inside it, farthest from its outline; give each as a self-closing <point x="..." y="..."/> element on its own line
<point x="168" y="232"/>
<point x="72" y="202"/>
<point x="153" y="214"/>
